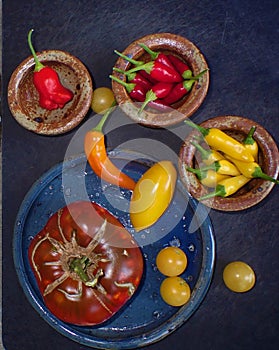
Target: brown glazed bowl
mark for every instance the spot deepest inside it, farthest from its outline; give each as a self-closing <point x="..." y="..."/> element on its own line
<point x="166" y="43"/>
<point x="23" y="98"/>
<point x="256" y="189"/>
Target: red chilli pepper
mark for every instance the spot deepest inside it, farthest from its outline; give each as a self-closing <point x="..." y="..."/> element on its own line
<point x="158" y="56"/>
<point x="159" y="72"/>
<point x="136" y="78"/>
<point x="181" y="67"/>
<point x="155" y="69"/>
<point x="52" y="94"/>
<point x="136" y="91"/>
<point x="158" y="91"/>
<point x="181" y="89"/>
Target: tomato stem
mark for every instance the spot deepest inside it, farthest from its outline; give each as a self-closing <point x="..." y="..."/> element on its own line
<point x="78" y="265"/>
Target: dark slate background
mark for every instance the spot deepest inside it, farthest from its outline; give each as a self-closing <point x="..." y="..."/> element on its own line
<point x="240" y="42"/>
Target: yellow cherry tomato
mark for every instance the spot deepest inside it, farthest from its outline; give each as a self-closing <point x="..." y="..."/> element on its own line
<point x="239" y="276"/>
<point x="175" y="291"/>
<point x="171" y="261"/>
<point x="102" y="99"/>
<point x="152" y="194"/>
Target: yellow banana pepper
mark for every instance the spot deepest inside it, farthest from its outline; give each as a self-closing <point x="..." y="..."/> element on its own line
<point x="219" y="140"/>
<point x="227" y="187"/>
<point x="252" y="170"/>
<point x="152" y="194"/>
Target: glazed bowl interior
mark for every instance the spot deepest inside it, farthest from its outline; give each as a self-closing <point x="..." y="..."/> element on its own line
<point x="23" y="98"/>
<point x="256" y="189"/>
<point x="169" y="44"/>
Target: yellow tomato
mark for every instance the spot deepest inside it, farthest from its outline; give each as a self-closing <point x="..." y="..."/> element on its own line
<point x="175" y="291"/>
<point x="239" y="277"/>
<point x="152" y="194"/>
<point x="102" y="99"/>
<point x="171" y="261"/>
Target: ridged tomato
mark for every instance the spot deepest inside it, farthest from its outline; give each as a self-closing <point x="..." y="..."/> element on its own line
<point x="86" y="264"/>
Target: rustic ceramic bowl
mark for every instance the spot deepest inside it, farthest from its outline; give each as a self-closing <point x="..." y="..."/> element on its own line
<point x="256" y="189"/>
<point x="166" y="43"/>
<point x="23" y="97"/>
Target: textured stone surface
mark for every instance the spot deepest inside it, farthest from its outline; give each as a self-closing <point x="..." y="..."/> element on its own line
<point x="240" y="42"/>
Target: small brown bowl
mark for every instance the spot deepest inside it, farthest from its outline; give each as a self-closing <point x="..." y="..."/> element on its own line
<point x="180" y="47"/>
<point x="23" y="98"/>
<point x="256" y="189"/>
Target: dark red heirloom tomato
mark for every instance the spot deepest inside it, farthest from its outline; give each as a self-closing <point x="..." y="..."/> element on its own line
<point x="86" y="264"/>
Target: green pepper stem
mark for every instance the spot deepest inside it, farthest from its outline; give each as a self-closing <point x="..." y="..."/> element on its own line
<point x="249" y="140"/>
<point x="129" y="86"/>
<point x="152" y="53"/>
<point x="202" y="130"/>
<point x="205" y="154"/>
<point x="147" y="67"/>
<point x="99" y="126"/>
<point x="38" y="64"/>
<point x="219" y="192"/>
<point x="197" y="77"/>
<point x="198" y="172"/>
<point x="130" y="76"/>
<point x="150" y="96"/>
<point x="134" y="62"/>
<point x="258" y="173"/>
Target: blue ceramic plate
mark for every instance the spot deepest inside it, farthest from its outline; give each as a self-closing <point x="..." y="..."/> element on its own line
<point x="146" y="318"/>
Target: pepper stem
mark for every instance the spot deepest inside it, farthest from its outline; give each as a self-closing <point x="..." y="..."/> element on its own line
<point x="260" y="174"/>
<point x="219" y="192"/>
<point x="99" y="126"/>
<point x="249" y="140"/>
<point x="203" y="131"/>
<point x="38" y="64"/>
<point x="134" y="62"/>
<point x="205" y="154"/>
<point x="198" y="172"/>
<point x="129" y="86"/>
<point x="152" y="53"/>
<point x="130" y="76"/>
<point x="197" y="77"/>
<point x="150" y="96"/>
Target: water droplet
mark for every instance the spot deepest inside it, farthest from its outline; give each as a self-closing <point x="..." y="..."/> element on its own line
<point x="143" y="236"/>
<point x="50" y="187"/>
<point x="145" y="256"/>
<point x="18" y="223"/>
<point x="175" y="242"/>
<point x="67" y="192"/>
<point x="190" y="278"/>
<point x="155" y="268"/>
<point x="30" y="238"/>
<point x="156" y="314"/>
<point x="191" y="247"/>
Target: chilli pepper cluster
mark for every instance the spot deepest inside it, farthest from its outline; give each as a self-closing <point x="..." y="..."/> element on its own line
<point x="158" y="83"/>
<point x="227" y="165"/>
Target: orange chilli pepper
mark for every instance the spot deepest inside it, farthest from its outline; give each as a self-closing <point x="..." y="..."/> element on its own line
<point x="96" y="153"/>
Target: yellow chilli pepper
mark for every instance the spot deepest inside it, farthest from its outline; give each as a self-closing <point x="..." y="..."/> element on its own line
<point x="219" y="140"/>
<point x="208" y="178"/>
<point x="227" y="187"/>
<point x="152" y="194"/>
<point x="223" y="167"/>
<point x="208" y="156"/>
<point x="252" y="170"/>
<point x="250" y="144"/>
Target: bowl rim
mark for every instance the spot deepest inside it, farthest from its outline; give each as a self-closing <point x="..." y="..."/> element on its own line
<point x="184" y="48"/>
<point x="20" y="71"/>
<point x="261" y="189"/>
